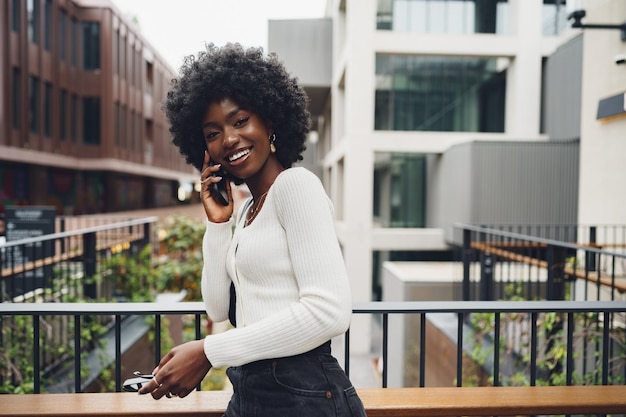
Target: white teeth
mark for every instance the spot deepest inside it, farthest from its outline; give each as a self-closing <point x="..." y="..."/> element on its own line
<point x="239" y="155"/>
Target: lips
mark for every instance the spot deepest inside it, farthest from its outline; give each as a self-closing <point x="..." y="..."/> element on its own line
<point x="238" y="155"/>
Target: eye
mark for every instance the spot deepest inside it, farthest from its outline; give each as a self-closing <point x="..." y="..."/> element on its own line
<point x="210" y="135"/>
<point x="241" y="121"/>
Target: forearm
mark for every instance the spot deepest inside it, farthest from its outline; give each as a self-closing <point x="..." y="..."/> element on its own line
<point x="215" y="280"/>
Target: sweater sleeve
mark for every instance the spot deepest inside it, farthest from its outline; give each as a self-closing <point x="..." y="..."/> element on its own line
<point x="323" y="307"/>
<point x="215" y="279"/>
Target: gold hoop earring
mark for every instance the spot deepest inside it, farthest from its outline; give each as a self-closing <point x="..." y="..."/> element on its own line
<point x="272" y="139"/>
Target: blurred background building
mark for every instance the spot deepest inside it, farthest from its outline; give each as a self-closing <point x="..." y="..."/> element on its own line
<point x="81" y="126"/>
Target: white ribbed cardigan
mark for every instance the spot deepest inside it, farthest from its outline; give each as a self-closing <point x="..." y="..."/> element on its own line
<point x="292" y="287"/>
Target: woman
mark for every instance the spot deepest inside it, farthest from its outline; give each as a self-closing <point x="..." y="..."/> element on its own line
<point x="238" y="114"/>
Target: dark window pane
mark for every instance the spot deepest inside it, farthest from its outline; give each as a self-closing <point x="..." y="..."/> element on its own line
<point x="33" y="100"/>
<point x="74" y="118"/>
<point x="16" y="16"/>
<point x="91" y="45"/>
<point x="32" y="7"/>
<point x="47" y="99"/>
<point x="91" y="120"/>
<point x="47" y="37"/>
<point x="430" y="93"/>
<point x="443" y="16"/>
<point x="16" y="98"/>
<point x="62" y="34"/>
<point x="63" y="115"/>
<point x="74" y="39"/>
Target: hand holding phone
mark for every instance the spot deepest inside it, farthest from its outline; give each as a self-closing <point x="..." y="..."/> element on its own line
<point x="218" y="189"/>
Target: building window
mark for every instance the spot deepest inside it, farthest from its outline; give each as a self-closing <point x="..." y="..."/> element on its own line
<point x="443" y="16"/>
<point x="132" y="130"/>
<point x="32" y="8"/>
<point x="74" y="41"/>
<point x="33" y="101"/>
<point x="91" y="120"/>
<point x="554" y="17"/>
<point x="47" y="103"/>
<point x="16" y="98"/>
<point x="47" y="39"/>
<point x="137" y="132"/>
<point x="16" y="15"/>
<point x="122" y="57"/>
<point x="63" y="114"/>
<point x="123" y="130"/>
<point x="427" y="93"/>
<point x="131" y="65"/>
<point x="149" y="77"/>
<point x="116" y="52"/>
<point x="138" y="57"/>
<point x="62" y="35"/>
<point x="116" y="124"/>
<point x="74" y="118"/>
<point x="400" y="190"/>
<point x="91" y="45"/>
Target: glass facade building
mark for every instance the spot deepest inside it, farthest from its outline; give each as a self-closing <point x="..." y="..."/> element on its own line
<point x="445" y="94"/>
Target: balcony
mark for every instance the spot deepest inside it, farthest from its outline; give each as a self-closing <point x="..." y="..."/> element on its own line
<point x="564" y="326"/>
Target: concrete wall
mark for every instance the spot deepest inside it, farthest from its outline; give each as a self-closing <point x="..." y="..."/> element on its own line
<point x="508" y="183"/>
<point x="603" y="143"/>
<point x="562" y="91"/>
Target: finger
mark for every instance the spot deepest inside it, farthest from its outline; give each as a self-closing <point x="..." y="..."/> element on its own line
<point x="160" y="392"/>
<point x="185" y="393"/>
<point x="207" y="158"/>
<point x="151" y="385"/>
<point x="209" y="172"/>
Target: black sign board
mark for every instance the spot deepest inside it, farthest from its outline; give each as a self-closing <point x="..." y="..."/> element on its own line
<point x="23" y="223"/>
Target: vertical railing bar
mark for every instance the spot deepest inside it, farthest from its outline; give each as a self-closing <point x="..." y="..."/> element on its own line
<point x="465" y="255"/>
<point x="118" y="353"/>
<point x="613" y="260"/>
<point x="385" y="348"/>
<point x="77" y="354"/>
<point x="533" y="348"/>
<point x="459" y="352"/>
<point x="496" y="350"/>
<point x="422" y="349"/>
<point x="569" y="368"/>
<point x="598" y="282"/>
<point x="198" y="320"/>
<point x="606" y="341"/>
<point x="36" y="353"/>
<point x="157" y="339"/>
<point x="197" y="326"/>
<point x="346" y="352"/>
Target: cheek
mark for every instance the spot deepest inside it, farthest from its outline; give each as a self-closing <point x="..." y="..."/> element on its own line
<point x="212" y="147"/>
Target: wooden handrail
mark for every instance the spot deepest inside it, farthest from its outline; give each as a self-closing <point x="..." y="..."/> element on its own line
<point x="590" y="276"/>
<point x="379" y="402"/>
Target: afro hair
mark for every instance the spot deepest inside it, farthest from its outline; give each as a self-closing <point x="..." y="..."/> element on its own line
<point x="258" y="83"/>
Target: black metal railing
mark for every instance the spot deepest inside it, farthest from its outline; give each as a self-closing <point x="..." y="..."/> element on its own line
<point x="590" y="336"/>
<point x="52" y="267"/>
<point x="543" y="262"/>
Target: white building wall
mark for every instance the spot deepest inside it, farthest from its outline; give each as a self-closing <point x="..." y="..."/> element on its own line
<point x="602" y="199"/>
<point x="348" y="164"/>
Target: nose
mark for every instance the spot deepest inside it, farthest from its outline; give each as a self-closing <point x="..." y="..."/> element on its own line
<point x="231" y="137"/>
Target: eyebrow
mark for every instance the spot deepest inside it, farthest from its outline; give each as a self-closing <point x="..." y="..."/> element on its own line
<point x="228" y="116"/>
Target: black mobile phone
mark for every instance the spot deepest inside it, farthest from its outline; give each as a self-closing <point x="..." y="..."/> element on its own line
<point x="135" y="384"/>
<point x="218" y="189"/>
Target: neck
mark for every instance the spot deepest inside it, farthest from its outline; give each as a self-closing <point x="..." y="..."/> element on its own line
<point x="260" y="184"/>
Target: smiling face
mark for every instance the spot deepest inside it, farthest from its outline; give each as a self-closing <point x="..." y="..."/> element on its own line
<point x="237" y="139"/>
